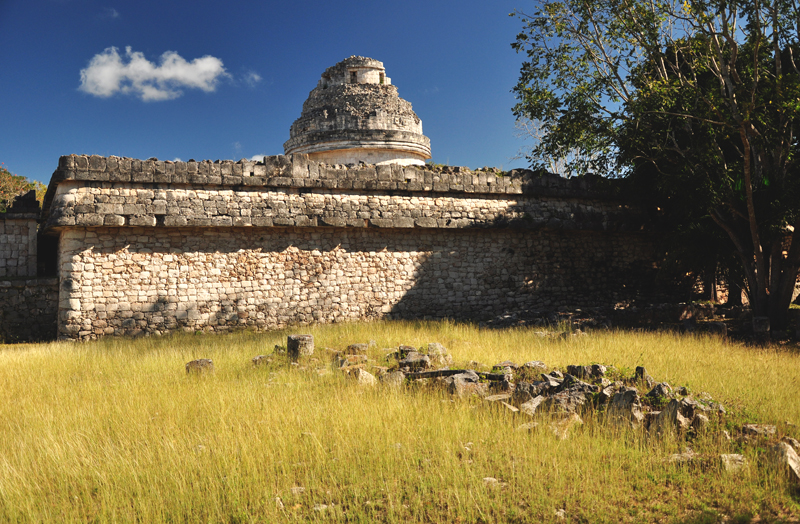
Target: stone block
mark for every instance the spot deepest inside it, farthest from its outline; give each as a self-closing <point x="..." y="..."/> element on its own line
<point x="142" y="220"/>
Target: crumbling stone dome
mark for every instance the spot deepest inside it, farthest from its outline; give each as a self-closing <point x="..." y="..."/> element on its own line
<point x="355" y="115"/>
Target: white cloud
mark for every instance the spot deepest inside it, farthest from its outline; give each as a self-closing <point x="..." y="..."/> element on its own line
<point x="109" y="73"/>
<point x="251" y="78"/>
<point x="257" y="158"/>
<point x="110" y="12"/>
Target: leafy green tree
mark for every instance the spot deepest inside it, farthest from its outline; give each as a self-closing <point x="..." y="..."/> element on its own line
<point x="696" y="101"/>
<point x="12" y="186"/>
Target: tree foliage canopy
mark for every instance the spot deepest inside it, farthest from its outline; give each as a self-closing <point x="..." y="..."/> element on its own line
<point x="696" y="101"/>
<point x="12" y="186"/>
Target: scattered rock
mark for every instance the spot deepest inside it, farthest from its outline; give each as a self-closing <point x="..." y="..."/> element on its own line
<point x="683" y="458"/>
<point x="492" y="482"/>
<point x="626" y="406"/>
<point x="464" y="384"/>
<point x="395" y="379"/>
<point x="583" y="372"/>
<point x="670" y="419"/>
<point x="261" y="360"/>
<point x="642" y="376"/>
<point x="529" y="408"/>
<point x="561" y="514"/>
<point x="497" y="398"/>
<point x="551" y="381"/>
<point x="415" y="361"/>
<point x="439" y="355"/>
<point x="700" y="423"/>
<point x="298" y="490"/>
<point x="662" y="390"/>
<point x="357" y="349"/>
<point x="363" y="378"/>
<point x="598" y="370"/>
<point x="200" y="366"/>
<point x="320" y="507"/>
<point x="567" y="401"/>
<point x="509" y="407"/>
<point x="733" y="463"/>
<point x="792" y="442"/>
<point x="351" y="360"/>
<point x="758" y="430"/>
<point x="785" y="457"/>
<point x="535" y="364"/>
<point x="299" y="346"/>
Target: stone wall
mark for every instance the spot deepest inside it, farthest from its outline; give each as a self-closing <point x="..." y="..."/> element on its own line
<point x="154" y="246"/>
<point x="134" y="280"/>
<point x="18" y="229"/>
<point x="28" y="310"/>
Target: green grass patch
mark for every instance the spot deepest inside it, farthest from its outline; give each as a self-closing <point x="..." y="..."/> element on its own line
<point x="115" y="431"/>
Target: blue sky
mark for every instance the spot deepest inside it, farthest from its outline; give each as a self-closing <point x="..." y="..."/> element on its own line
<point x="238" y="74"/>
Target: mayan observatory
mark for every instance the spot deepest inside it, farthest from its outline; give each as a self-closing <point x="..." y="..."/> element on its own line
<point x="349" y="224"/>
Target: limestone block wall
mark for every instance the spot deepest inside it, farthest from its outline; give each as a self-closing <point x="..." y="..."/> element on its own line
<point x="150" y="246"/>
<point x="28" y="310"/>
<point x="128" y="281"/>
<point x="17" y="246"/>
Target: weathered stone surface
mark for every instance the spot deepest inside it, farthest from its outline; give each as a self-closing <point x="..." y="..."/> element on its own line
<point x="464" y="384"/>
<point x="299" y="346"/>
<point x="395" y="379"/>
<point x="363" y="378"/>
<point x="641" y="375"/>
<point x="357" y="349"/>
<point x="700" y="423"/>
<point x="660" y="391"/>
<point x="670" y="419"/>
<point x="758" y="430"/>
<point x="785" y="457"/>
<point x="567" y="401"/>
<point x="261" y="360"/>
<point x="535" y="364"/>
<point x="199" y="366"/>
<point x="355" y="115"/>
<point x="686" y="457"/>
<point x="626" y="406"/>
<point x="581" y="372"/>
<point x="439" y="355"/>
<point x="530" y="407"/>
<point x="415" y="361"/>
<point x="246" y="244"/>
<point x="733" y="463"/>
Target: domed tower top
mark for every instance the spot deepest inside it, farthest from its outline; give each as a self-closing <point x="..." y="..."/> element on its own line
<point x="355" y="115"/>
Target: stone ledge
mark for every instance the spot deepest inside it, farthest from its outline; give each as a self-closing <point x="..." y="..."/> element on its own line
<point x="95" y="204"/>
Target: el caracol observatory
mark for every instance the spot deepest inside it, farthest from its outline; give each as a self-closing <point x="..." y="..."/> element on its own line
<point x="355" y="115"/>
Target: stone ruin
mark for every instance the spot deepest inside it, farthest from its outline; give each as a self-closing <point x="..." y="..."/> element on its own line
<point x="355" y="115"/>
<point x="543" y="398"/>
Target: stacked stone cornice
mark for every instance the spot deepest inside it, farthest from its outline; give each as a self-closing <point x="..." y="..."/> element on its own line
<point x="95" y="191"/>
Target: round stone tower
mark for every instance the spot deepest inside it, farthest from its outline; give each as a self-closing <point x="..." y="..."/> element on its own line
<point x="355" y="115"/>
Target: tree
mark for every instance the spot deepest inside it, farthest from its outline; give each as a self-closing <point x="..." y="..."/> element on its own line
<point x="12" y="186"/>
<point x="696" y="101"/>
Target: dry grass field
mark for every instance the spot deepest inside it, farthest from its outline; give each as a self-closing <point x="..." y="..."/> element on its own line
<point x="116" y="431"/>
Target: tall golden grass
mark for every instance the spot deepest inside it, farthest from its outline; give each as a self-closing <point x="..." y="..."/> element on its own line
<point x="115" y="431"/>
